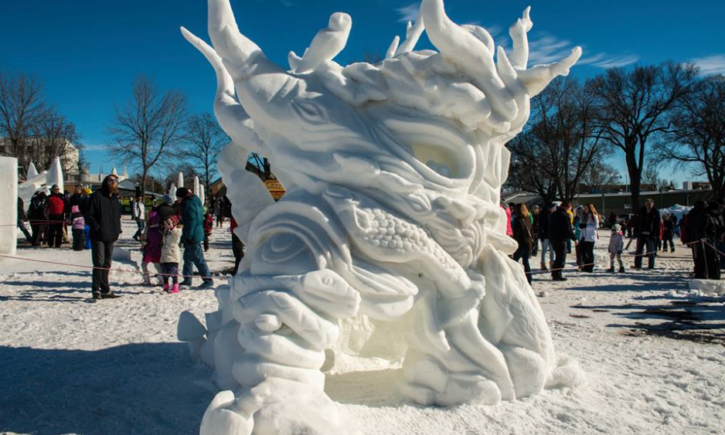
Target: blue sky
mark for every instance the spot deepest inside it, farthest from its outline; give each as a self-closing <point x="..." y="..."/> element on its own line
<point x="87" y="52"/>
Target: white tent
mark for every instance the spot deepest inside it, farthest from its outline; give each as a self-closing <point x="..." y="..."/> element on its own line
<point x="678" y="210"/>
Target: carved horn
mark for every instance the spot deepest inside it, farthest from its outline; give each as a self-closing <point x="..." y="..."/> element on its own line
<point x="231" y="116"/>
<point x="470" y="53"/>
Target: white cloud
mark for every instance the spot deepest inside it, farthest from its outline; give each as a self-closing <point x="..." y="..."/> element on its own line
<point x="95" y="147"/>
<point x="603" y="60"/>
<point x="547" y="48"/>
<point x="711" y="65"/>
<point x="493" y="30"/>
<point x="409" y="13"/>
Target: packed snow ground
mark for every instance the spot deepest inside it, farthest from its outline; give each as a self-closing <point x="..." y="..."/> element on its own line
<point x="654" y="358"/>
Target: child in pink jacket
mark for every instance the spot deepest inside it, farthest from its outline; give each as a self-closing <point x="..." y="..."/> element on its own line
<point x="78" y="224"/>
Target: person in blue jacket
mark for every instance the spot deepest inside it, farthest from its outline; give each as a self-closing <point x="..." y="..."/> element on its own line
<point x="192" y="236"/>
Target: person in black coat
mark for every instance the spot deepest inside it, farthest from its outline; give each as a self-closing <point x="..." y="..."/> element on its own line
<point x="77" y="198"/>
<point x="560" y="233"/>
<point x="523" y="234"/>
<point x="38" y="216"/>
<point x="670" y="223"/>
<point x="712" y="230"/>
<point x="22" y="217"/>
<point x="692" y="233"/>
<point x="167" y="209"/>
<point x="647" y="232"/>
<point x="535" y="217"/>
<point x="103" y="216"/>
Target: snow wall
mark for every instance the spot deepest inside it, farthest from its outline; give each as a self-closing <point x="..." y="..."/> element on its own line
<point x="8" y="197"/>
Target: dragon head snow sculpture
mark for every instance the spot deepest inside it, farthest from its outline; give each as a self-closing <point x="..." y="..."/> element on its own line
<point x="393" y="173"/>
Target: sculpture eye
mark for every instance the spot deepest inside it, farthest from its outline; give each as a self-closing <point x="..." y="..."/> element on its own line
<point x="436" y="158"/>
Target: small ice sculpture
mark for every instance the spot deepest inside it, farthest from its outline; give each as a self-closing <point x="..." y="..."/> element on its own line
<point x="393" y="174"/>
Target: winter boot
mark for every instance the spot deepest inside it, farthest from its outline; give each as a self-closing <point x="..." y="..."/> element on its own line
<point x="551" y="265"/>
<point x="543" y="265"/>
<point x="621" y="269"/>
<point x="166" y="288"/>
<point x="611" y="269"/>
<point x="175" y="289"/>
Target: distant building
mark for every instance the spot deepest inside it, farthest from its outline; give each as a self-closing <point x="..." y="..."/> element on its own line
<point x="696" y="185"/>
<point x="620" y="203"/>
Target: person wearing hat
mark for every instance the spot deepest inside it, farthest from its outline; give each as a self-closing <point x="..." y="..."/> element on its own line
<point x="166" y="209"/>
<point x="56" y="216"/>
<point x="192" y="236"/>
<point x="103" y="216"/>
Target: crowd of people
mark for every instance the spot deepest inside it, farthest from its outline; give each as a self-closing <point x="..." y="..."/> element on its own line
<point x="176" y="229"/>
<point x="550" y="232"/>
<point x="556" y="230"/>
<point x="50" y="217"/>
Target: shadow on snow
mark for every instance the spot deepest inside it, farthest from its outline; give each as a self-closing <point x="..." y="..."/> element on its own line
<point x="132" y="389"/>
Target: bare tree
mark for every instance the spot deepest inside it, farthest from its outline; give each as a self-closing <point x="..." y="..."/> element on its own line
<point x="600" y="176"/>
<point x="53" y="135"/>
<point x="553" y="155"/>
<point x="147" y="129"/>
<point x="21" y="108"/>
<point x="697" y="138"/>
<point x="205" y="141"/>
<point x="651" y="176"/>
<point x="634" y="106"/>
<point x="524" y="171"/>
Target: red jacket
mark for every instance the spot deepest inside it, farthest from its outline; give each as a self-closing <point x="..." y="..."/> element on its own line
<point x="208" y="224"/>
<point x="56" y="205"/>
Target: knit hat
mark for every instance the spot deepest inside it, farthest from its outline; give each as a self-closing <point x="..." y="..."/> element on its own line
<point x="87" y="191"/>
<point x="168" y="199"/>
<point x="171" y="223"/>
<point x="617" y="227"/>
<point x="182" y="192"/>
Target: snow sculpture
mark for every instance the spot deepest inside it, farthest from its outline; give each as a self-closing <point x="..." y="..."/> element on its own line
<point x="55" y="174"/>
<point x="32" y="171"/>
<point x="196" y="186"/>
<point x="172" y="191"/>
<point x="393" y="174"/>
<point x="41" y="182"/>
<point x="9" y="197"/>
<point x="180" y="180"/>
